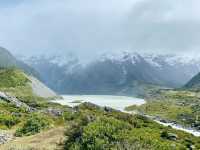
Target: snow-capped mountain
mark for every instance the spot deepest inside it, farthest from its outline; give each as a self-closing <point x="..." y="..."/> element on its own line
<point x="114" y="73"/>
<point x="155" y="60"/>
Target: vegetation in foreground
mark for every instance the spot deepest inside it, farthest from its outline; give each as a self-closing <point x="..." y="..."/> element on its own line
<point x="20" y="122"/>
<point x="87" y="126"/>
<point x="92" y="127"/>
<point x="182" y="107"/>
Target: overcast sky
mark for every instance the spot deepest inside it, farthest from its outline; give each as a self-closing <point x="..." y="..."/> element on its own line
<point x="90" y="27"/>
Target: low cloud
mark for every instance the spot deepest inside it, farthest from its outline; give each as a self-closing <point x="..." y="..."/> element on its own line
<point x="97" y="26"/>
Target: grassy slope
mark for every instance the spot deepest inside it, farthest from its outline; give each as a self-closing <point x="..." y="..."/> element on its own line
<point x="15" y="82"/>
<point x="180" y="106"/>
<point x="11" y="78"/>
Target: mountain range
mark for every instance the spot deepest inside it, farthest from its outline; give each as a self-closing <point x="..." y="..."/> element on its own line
<point x="26" y="109"/>
<point x="125" y="73"/>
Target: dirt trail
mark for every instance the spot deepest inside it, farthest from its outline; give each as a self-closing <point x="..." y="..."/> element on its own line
<point x="47" y="140"/>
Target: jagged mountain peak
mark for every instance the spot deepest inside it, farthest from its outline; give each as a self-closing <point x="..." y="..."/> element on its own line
<point x="156" y="60"/>
<point x="121" y="56"/>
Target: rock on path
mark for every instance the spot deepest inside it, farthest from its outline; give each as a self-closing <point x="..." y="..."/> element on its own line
<point x="5" y="137"/>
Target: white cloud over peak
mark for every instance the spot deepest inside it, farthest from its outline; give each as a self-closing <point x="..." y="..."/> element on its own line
<point x="93" y="26"/>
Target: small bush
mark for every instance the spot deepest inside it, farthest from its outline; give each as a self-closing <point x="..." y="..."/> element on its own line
<point x="12" y="78"/>
<point x="33" y="125"/>
<point x="68" y="116"/>
<point x="8" y="120"/>
<point x="100" y="134"/>
<point x="164" y="134"/>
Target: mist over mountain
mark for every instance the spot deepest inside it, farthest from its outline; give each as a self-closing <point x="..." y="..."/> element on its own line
<point x="194" y="83"/>
<point x="125" y="73"/>
<point x="93" y="26"/>
<point x="13" y="69"/>
<point x="99" y="74"/>
<point x="7" y="60"/>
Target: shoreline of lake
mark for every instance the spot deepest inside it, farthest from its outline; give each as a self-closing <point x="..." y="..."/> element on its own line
<point x="118" y="103"/>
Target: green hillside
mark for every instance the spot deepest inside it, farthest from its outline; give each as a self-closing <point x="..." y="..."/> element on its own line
<point x="15" y="82"/>
<point x="179" y="106"/>
<point x="93" y="128"/>
<point x="7" y="60"/>
<point x="12" y="78"/>
<point x="194" y="83"/>
<point x="86" y="127"/>
<point x="15" y="119"/>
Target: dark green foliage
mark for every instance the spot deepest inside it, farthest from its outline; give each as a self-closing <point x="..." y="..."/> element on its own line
<point x="8" y="120"/>
<point x="14" y="82"/>
<point x="68" y="116"/>
<point x="173" y="105"/>
<point x="9" y="115"/>
<point x="33" y="125"/>
<point x="164" y="134"/>
<point x="104" y="133"/>
<point x="92" y="128"/>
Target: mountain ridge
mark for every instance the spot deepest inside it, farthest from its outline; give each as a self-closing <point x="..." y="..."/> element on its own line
<point x="114" y="74"/>
<point x="194" y="83"/>
<point x="7" y="60"/>
<point x="12" y="69"/>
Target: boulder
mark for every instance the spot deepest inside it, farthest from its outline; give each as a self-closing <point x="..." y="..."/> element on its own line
<point x="164" y="121"/>
<point x="108" y="109"/>
<point x="5" y="137"/>
<point x="172" y="136"/>
<point x="169" y="136"/>
<point x="54" y="112"/>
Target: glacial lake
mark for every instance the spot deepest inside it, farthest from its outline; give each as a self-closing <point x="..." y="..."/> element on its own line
<point x="116" y="102"/>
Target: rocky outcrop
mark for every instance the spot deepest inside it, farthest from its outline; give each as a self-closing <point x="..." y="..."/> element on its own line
<point x="5" y="137"/>
<point x="54" y="112"/>
<point x="11" y="99"/>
